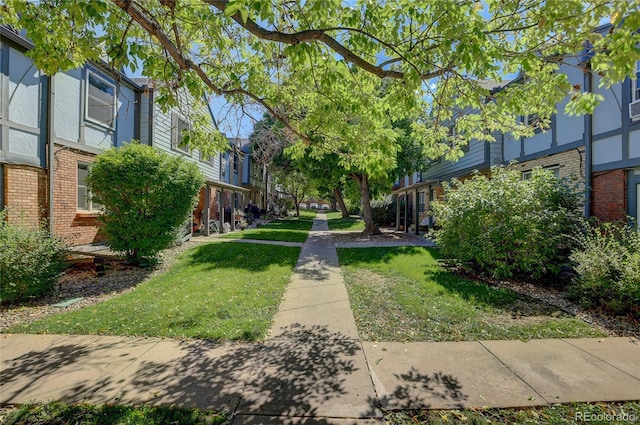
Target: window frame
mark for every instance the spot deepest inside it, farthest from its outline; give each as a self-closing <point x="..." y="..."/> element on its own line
<point x="527" y="174"/>
<point x="178" y="121"/>
<point x="88" y="99"/>
<point x="91" y="207"/>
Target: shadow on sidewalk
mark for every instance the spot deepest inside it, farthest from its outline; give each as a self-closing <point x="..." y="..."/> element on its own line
<point x="296" y="374"/>
<point x="419" y="390"/>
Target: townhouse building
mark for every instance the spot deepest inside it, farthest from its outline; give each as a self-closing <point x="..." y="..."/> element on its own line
<point x="52" y="127"/>
<point x="600" y="153"/>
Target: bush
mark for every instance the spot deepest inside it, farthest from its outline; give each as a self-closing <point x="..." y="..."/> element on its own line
<point x="607" y="264"/>
<point x="384" y="210"/>
<point x="147" y="196"/>
<point x="31" y="261"/>
<point x="506" y="226"/>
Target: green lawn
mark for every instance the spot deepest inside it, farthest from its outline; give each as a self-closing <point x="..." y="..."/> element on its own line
<point x="569" y="413"/>
<point x="218" y="290"/>
<point x="85" y="414"/>
<point x="336" y="222"/>
<point x="402" y="294"/>
<point x="291" y="229"/>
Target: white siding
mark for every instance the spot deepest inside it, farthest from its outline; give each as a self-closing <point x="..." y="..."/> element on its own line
<point x="24" y="90"/>
<point x="537" y="143"/>
<point x="607" y="150"/>
<point x="607" y="116"/>
<point x="634" y="144"/>
<point x="510" y="147"/>
<point x="98" y="137"/>
<point x="23" y="143"/>
<point x="67" y="105"/>
<point x="126" y="117"/>
<point x="570" y="128"/>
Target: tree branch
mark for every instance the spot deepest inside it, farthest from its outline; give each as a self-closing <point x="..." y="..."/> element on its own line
<point x="321" y="36"/>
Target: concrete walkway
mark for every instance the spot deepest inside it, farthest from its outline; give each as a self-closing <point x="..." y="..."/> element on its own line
<point x="313" y="368"/>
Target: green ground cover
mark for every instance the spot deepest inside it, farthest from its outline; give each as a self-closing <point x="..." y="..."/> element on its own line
<point x="403" y="294"/>
<point x="570" y="413"/>
<point x="219" y="290"/>
<point x="59" y="413"/>
<point x="290" y="229"/>
<point x="336" y="222"/>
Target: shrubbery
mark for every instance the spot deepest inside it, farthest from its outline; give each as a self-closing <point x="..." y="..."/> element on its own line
<point x="31" y="261"/>
<point x="607" y="264"/>
<point x="506" y="226"/>
<point x="384" y="210"/>
<point x="147" y="196"/>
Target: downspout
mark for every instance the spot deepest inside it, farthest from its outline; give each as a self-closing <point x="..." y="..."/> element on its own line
<point x="51" y="147"/>
<point x="588" y="139"/>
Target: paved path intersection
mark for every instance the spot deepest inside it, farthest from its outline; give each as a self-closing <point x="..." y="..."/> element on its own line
<point x="313" y="368"/>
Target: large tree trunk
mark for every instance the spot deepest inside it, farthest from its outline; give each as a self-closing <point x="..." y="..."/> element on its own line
<point x="370" y="227"/>
<point x="340" y="201"/>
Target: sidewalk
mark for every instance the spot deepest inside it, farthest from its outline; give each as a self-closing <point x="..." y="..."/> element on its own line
<point x="313" y="368"/>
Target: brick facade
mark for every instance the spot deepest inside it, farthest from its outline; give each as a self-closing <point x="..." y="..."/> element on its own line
<point x="608" y="195"/>
<point x="76" y="227"/>
<point x="25" y="189"/>
<point x="571" y="164"/>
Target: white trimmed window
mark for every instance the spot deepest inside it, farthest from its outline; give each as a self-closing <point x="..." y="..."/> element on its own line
<point x="179" y="126"/>
<point x="84" y="195"/>
<point x="101" y="100"/>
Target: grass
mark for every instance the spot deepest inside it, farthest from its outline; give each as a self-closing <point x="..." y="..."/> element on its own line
<point x="290" y="229"/>
<point x="402" y="294"/>
<point x="58" y="413"/>
<point x="614" y="413"/>
<point x="336" y="222"/>
<point x="219" y="290"/>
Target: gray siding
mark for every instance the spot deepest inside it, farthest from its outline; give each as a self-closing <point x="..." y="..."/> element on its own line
<point x="475" y="157"/>
<point x="23" y="94"/>
<point x="161" y="124"/>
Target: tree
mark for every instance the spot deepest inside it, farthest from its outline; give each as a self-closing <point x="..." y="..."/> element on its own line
<point x="147" y="196"/>
<point x="319" y="67"/>
<point x="293" y="183"/>
<point x="268" y="140"/>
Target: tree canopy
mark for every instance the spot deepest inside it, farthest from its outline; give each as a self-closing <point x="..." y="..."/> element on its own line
<point x="338" y="74"/>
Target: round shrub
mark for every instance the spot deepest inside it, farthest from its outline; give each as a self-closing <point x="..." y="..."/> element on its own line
<point x="31" y="261"/>
<point x="607" y="264"/>
<point x="147" y="196"/>
<point x="505" y="226"/>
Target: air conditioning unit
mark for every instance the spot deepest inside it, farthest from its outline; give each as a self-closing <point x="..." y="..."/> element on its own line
<point x="634" y="109"/>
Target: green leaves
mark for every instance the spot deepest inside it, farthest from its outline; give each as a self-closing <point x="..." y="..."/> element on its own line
<point x="147" y="196"/>
<point x="506" y="226"/>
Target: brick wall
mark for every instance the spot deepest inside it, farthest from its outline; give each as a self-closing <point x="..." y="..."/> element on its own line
<point x="571" y="164"/>
<point x="25" y="190"/>
<point x="608" y="195"/>
<point x="75" y="227"/>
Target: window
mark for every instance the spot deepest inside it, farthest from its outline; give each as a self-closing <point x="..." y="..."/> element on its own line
<point x="206" y="159"/>
<point x="236" y="160"/>
<point x="635" y="85"/>
<point x="421" y="202"/>
<point x="101" y="100"/>
<point x="84" y="195"/>
<point x="179" y="129"/>
<point x="555" y="169"/>
<point x="532" y="120"/>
